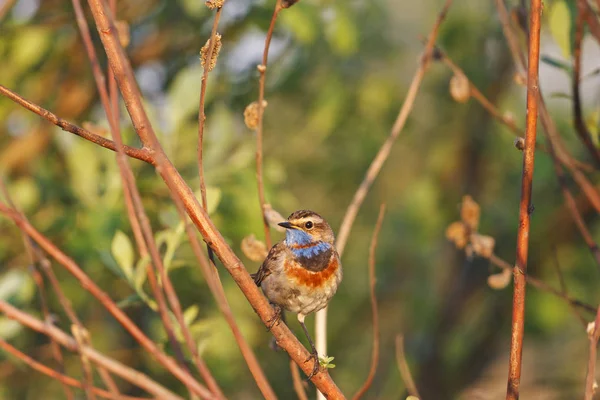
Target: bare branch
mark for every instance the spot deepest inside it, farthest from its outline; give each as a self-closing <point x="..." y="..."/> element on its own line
<point x="372" y="282"/>
<point x="520" y="271"/>
<point x="141" y="154"/>
<point x="62" y="378"/>
<point x="409" y="382"/>
<point x="137" y="378"/>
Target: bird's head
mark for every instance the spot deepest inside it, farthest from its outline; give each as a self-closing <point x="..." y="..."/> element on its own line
<point x="305" y="226"/>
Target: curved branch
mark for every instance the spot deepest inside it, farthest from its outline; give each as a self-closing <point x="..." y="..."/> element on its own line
<point x="125" y="372"/>
<point x="372" y="281"/>
<point x="62" y="378"/>
<point x="141" y="154"/>
<point x="132" y="99"/>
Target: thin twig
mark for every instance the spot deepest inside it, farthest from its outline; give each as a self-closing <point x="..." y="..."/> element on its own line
<point x="135" y="377"/>
<point x="201" y="112"/>
<point x="591" y="18"/>
<point x="372" y="281"/>
<point x="563" y="286"/>
<point x="262" y="69"/>
<point x="297" y="382"/>
<point x="385" y="149"/>
<point x="564" y="158"/>
<point x="590" y="378"/>
<point x="548" y="124"/>
<point x="578" y="122"/>
<point x="378" y="162"/>
<point x="143" y="221"/>
<point x="59" y="376"/>
<point x="6" y="7"/>
<point x="88" y="284"/>
<point x="538" y="284"/>
<point x="141" y="154"/>
<point x="520" y="271"/>
<point x="409" y="382"/>
<point x="39" y="282"/>
<point x="177" y="185"/>
<point x="573" y="210"/>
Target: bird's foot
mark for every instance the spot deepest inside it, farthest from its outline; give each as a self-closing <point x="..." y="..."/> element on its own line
<point x="274" y="320"/>
<point x="316" y="366"/>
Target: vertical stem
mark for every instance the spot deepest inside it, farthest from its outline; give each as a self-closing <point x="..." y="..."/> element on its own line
<point x="525" y="207"/>
<point x="262" y="69"/>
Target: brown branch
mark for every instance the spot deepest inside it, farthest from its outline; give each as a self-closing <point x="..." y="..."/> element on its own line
<point x="216" y="288"/>
<point x="6" y="7"/>
<point x="89" y="285"/>
<point x="573" y="210"/>
<point x="519" y="273"/>
<point x="538" y="284"/>
<point x="578" y="122"/>
<point x="564" y="157"/>
<point x="385" y="149"/>
<point x="140" y="218"/>
<point x="177" y="185"/>
<point x="297" y="381"/>
<point x="590" y="378"/>
<point x="201" y="112"/>
<point x="135" y="377"/>
<point x="59" y="376"/>
<point x="141" y="154"/>
<point x="39" y="282"/>
<point x="409" y="382"/>
<point x="262" y="69"/>
<point x="548" y="124"/>
<point x="40" y="262"/>
<point x="372" y="281"/>
<point x="590" y="18"/>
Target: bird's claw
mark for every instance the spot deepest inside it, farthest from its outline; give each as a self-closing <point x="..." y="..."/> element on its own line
<point x="274" y="320"/>
<point x="313" y="356"/>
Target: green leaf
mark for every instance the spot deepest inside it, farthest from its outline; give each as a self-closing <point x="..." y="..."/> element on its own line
<point x="190" y="314"/>
<point x="560" y="23"/>
<point x="9" y="328"/>
<point x="141" y="273"/>
<point x="342" y="33"/>
<point x="122" y="251"/>
<point x="131" y="300"/>
<point x="16" y="283"/>
<point x="301" y="21"/>
<point x="326" y="362"/>
<point x="556" y="63"/>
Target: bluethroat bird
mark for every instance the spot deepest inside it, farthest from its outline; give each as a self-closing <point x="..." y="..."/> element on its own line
<point x="301" y="273"/>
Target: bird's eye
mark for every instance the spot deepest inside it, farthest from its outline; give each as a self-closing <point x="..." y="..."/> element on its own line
<point x="308" y="225"/>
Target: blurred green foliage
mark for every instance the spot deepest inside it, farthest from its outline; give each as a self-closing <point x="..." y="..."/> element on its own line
<point x="338" y="73"/>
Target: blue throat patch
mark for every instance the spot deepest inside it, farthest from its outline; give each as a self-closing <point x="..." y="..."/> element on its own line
<point x="299" y="237"/>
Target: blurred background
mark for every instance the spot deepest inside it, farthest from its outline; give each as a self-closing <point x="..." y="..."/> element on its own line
<point x="338" y="74"/>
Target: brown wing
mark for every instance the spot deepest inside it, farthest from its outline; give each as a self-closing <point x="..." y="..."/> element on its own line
<point x="265" y="270"/>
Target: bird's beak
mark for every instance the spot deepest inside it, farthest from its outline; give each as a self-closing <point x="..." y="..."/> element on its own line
<point x="286" y="225"/>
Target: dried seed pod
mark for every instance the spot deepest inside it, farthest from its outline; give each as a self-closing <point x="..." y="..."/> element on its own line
<point x="460" y="88"/>
<point x="206" y="63"/>
<point x="123" y="33"/>
<point x="212" y="4"/>
<point x="457" y="233"/>
<point x="274" y="218"/>
<point x="253" y="248"/>
<point x="500" y="280"/>
<point x="251" y="114"/>
<point x="470" y="212"/>
<point x="483" y="245"/>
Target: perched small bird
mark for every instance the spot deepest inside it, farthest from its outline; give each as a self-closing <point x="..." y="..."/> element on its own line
<point x="301" y="273"/>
